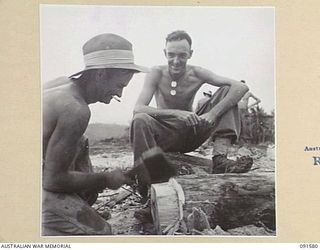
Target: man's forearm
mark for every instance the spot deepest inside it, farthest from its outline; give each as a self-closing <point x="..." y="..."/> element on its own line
<point x="254" y="104"/>
<point x="155" y="112"/>
<point x="74" y="181"/>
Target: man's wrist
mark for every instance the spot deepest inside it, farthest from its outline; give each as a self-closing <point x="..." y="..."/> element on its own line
<point x="103" y="180"/>
<point x="213" y="116"/>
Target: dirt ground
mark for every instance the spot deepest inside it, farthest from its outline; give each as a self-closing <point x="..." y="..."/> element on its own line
<point x="117" y="153"/>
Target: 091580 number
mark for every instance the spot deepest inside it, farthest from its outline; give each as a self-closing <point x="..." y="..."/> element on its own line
<point x="310" y="245"/>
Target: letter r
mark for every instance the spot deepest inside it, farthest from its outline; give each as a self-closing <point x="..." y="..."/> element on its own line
<point x="316" y="160"/>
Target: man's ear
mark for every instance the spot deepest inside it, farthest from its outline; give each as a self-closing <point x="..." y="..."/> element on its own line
<point x="165" y="52"/>
<point x="191" y="51"/>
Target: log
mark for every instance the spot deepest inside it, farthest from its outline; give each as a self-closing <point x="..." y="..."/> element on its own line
<point x="166" y="206"/>
<point x="231" y="200"/>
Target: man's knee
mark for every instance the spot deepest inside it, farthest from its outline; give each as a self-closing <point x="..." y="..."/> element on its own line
<point x="141" y="117"/>
<point x="141" y="120"/>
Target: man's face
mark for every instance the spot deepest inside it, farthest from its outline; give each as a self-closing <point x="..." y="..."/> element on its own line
<point x="114" y="84"/>
<point x="177" y="54"/>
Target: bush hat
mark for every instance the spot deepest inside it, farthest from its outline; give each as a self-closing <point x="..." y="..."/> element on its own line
<point x="109" y="51"/>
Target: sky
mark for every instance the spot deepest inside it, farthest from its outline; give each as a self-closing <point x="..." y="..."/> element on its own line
<point x="235" y="42"/>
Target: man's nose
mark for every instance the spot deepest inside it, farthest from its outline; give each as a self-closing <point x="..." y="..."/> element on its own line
<point x="176" y="60"/>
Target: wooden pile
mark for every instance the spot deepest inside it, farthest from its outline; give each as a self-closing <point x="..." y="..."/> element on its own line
<point x="228" y="200"/>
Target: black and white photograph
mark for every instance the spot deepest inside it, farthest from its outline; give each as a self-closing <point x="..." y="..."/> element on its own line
<point x="158" y="120"/>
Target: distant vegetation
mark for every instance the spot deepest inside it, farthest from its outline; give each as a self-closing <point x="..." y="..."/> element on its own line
<point x="99" y="131"/>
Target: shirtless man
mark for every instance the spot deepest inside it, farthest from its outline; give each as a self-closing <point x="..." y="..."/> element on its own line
<point x="172" y="125"/>
<point x="244" y="102"/>
<point x="244" y="107"/>
<point x="69" y="184"/>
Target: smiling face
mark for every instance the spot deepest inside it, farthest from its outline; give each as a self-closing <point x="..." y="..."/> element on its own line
<point x="113" y="84"/>
<point x="177" y="54"/>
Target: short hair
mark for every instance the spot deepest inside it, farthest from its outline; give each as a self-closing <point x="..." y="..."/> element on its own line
<point x="179" y="35"/>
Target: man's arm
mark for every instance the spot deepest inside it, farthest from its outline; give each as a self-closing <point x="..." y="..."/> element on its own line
<point x="235" y="93"/>
<point x="149" y="88"/>
<point x="257" y="100"/>
<point x="60" y="153"/>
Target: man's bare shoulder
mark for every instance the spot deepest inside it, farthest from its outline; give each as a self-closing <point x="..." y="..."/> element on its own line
<point x="155" y="76"/>
<point x="203" y="74"/>
<point x="198" y="70"/>
<point x="161" y="67"/>
<point x="159" y="70"/>
<point x="64" y="100"/>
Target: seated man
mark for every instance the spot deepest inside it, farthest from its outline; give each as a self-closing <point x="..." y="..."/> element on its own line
<point x="244" y="107"/>
<point x="172" y="125"/>
<point x="69" y="184"/>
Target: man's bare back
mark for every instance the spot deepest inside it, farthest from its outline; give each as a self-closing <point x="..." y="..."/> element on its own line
<point x="70" y="101"/>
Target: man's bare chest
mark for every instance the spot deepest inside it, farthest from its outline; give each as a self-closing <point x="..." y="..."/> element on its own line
<point x="186" y="87"/>
<point x="177" y="94"/>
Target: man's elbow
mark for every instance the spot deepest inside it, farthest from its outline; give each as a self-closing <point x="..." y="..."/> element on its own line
<point x="242" y="89"/>
<point x="138" y="108"/>
<point x="52" y="184"/>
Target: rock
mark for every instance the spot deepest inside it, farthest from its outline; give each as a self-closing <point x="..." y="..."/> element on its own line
<point x="244" y="152"/>
<point x="250" y="230"/>
<point x="217" y="231"/>
<point x="197" y="220"/>
<point x="271" y="152"/>
<point x="105" y="214"/>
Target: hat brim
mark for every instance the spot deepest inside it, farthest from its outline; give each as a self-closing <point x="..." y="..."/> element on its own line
<point x="131" y="66"/>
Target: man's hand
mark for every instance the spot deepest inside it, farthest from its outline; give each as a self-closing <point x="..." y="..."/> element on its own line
<point x="116" y="178"/>
<point x="191" y="119"/>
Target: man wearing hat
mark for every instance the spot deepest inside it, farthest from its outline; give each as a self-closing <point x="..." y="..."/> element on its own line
<point x="70" y="186"/>
<point x="172" y="125"/>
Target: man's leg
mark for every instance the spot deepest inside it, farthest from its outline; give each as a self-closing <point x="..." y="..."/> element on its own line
<point x="169" y="133"/>
<point x="72" y="214"/>
<point x="224" y="133"/>
<point x="227" y="128"/>
<point x="68" y="214"/>
<point x="147" y="132"/>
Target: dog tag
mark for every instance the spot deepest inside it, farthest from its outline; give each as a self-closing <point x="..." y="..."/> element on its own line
<point x="173" y="92"/>
<point x="173" y="84"/>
